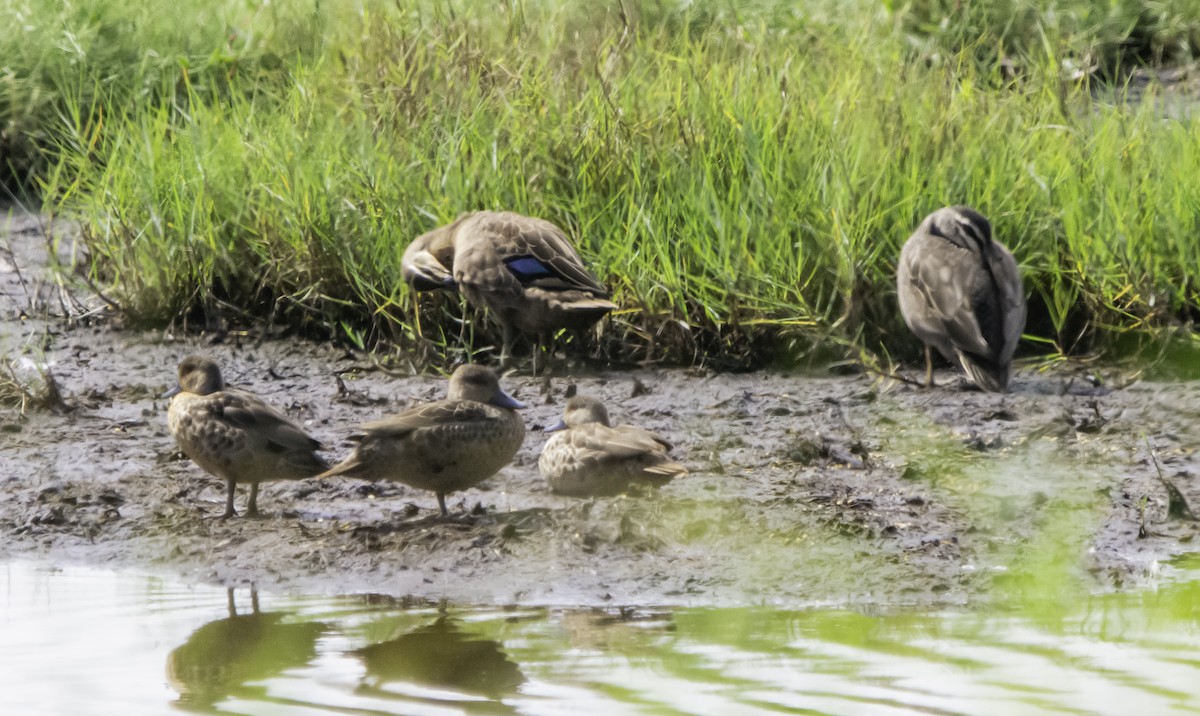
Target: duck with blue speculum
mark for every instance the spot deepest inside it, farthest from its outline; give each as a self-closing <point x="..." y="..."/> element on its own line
<point x="443" y="446"/>
<point x="589" y="456"/>
<point x="234" y="435"/>
<point x="960" y="292"/>
<point x="522" y="269"/>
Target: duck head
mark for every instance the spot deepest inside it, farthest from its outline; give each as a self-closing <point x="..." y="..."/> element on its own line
<point x="199" y="375"/>
<point x="479" y="383"/>
<point x="581" y="410"/>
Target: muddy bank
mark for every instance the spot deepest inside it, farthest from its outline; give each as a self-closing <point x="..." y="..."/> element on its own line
<point x="804" y="487"/>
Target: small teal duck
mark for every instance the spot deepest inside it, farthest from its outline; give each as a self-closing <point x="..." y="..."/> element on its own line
<point x="443" y="446"/>
<point x="235" y="435"/>
<point x="960" y="292"/>
<point x="588" y="456"/>
<point x="522" y="269"/>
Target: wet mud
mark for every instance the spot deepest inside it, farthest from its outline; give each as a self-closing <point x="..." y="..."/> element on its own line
<point x="805" y="487"/>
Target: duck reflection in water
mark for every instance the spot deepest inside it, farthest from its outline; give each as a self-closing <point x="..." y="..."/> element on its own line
<point x="220" y="657"/>
<point x="441" y="655"/>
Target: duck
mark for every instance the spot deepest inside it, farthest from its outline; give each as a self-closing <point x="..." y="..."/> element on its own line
<point x="588" y="456"/>
<point x="234" y="435"/>
<point x="443" y="446"/>
<point x="522" y="269"/>
<point x="960" y="292"/>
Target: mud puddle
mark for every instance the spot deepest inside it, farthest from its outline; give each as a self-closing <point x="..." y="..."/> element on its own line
<point x="805" y="488"/>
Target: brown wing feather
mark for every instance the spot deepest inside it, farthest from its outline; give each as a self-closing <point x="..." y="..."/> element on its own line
<point x="624" y="441"/>
<point x="949" y="283"/>
<point x="441" y="412"/>
<point x="514" y="235"/>
<point x="1012" y="299"/>
<point x="670" y="469"/>
<point x="247" y="411"/>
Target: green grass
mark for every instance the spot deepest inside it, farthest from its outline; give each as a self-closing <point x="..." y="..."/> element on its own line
<point x="741" y="174"/>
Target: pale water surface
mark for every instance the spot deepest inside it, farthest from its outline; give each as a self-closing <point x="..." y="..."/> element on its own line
<point x="83" y="641"/>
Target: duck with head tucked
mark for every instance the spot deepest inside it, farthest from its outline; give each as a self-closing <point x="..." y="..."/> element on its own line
<point x="960" y="292"/>
<point x="522" y="269"/>
<point x="444" y="446"/>
<point x="235" y="435"/>
<point x="589" y="456"/>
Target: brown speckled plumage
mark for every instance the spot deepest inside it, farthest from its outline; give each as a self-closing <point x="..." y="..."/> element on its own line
<point x="443" y="446"/>
<point x="592" y="457"/>
<point x="960" y="292"/>
<point x="235" y="435"/>
<point x="522" y="269"/>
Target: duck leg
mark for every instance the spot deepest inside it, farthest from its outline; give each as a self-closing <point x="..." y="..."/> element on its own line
<point x="252" y="506"/>
<point x="539" y="347"/>
<point x="230" y="488"/>
<point x="468" y="319"/>
<point x="442" y="504"/>
<point x="507" y="347"/>
<point x="546" y="343"/>
<point x="928" y="367"/>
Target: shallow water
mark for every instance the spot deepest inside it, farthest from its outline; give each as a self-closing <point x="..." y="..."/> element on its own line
<point x="85" y="641"/>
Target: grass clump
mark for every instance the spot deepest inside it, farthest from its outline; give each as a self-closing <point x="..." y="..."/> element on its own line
<point x="26" y="386"/>
<point x="742" y="175"/>
<point x="1101" y="38"/>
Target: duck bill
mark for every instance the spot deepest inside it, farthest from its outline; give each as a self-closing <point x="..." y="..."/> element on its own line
<point x="504" y="400"/>
<point x="175" y="390"/>
<point x="560" y="425"/>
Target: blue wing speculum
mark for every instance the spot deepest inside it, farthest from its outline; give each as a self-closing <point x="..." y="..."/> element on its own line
<point x="528" y="269"/>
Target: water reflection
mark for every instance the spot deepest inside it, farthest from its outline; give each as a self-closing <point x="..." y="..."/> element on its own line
<point x="222" y="657"/>
<point x="443" y="655"/>
<point x="629" y="632"/>
<point x="72" y="639"/>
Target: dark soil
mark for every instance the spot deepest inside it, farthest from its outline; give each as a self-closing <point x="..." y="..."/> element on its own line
<point x="804" y="487"/>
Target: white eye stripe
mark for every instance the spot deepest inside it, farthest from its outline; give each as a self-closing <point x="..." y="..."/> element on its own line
<point x="973" y="230"/>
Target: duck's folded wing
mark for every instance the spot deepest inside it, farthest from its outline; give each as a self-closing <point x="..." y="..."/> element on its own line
<point x="248" y="412"/>
<point x="538" y="253"/>
<point x="951" y="291"/>
<point x="442" y="412"/>
<point x="1012" y="299"/>
<point x="622" y="442"/>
